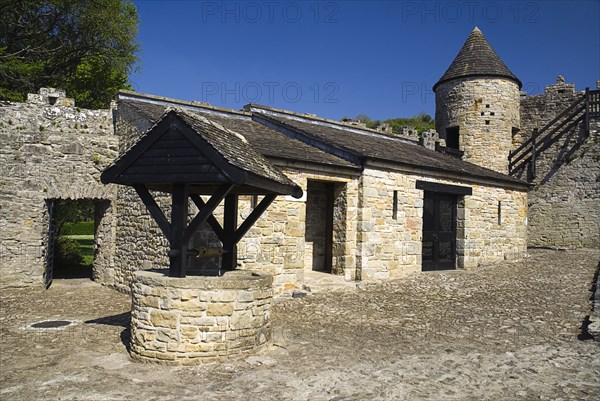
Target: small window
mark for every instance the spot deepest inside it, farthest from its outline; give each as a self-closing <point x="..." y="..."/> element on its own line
<point x="253" y="202"/>
<point x="487" y="122"/>
<point x="499" y="213"/>
<point x="514" y="131"/>
<point x="487" y="106"/>
<point x="492" y="113"/>
<point x="483" y="113"/>
<point x="395" y="206"/>
<point x="452" y="137"/>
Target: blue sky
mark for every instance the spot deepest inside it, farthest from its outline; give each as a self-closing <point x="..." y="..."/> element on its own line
<point x="343" y="58"/>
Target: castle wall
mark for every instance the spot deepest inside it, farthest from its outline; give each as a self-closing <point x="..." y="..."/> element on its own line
<point x="486" y="111"/>
<point x="564" y="205"/>
<point x="140" y="244"/>
<point x="50" y="150"/>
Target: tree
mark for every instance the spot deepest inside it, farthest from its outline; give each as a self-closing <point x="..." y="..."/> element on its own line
<point x="86" y="47"/>
<point x="73" y="211"/>
<point x="421" y="122"/>
<point x="363" y="118"/>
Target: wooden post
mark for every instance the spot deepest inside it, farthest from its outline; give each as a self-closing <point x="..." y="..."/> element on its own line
<point x="229" y="259"/>
<point x="533" y="153"/>
<point x="179" y="211"/>
<point x="587" y="110"/>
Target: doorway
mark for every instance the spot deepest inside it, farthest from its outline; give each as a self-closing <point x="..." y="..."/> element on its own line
<point x="319" y="226"/>
<point x="78" y="239"/>
<point x="439" y="231"/>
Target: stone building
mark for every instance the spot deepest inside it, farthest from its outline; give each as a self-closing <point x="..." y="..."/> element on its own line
<point x="375" y="206"/>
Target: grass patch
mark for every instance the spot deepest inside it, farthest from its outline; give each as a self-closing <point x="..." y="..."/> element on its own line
<point x="78" y="228"/>
<point x="86" y="248"/>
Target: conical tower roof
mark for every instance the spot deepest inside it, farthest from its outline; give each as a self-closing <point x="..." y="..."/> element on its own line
<point x="477" y="59"/>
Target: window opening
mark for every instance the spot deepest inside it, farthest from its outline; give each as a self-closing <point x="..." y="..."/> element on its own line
<point x="452" y="137"/>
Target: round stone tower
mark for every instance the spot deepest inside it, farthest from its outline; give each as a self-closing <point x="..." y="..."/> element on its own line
<point x="477" y="105"/>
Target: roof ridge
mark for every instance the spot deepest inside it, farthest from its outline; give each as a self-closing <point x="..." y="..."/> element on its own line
<point x="314" y="117"/>
<point x="193" y="104"/>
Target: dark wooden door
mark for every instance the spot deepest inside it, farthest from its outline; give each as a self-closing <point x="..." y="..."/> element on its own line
<point x="49" y="270"/>
<point x="439" y="231"/>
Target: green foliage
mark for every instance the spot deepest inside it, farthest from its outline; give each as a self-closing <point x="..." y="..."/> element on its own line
<point x="73" y="212"/>
<point x="66" y="253"/>
<point x="77" y="228"/>
<point x="363" y="118"/>
<point x="86" y="47"/>
<point x="421" y="122"/>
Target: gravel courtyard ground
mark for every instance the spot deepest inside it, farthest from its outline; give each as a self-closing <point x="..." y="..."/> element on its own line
<point x="505" y="332"/>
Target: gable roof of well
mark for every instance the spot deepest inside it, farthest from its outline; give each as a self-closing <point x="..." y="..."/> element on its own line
<point x="477" y="59"/>
<point x="268" y="142"/>
<point x="181" y="147"/>
<point x="368" y="145"/>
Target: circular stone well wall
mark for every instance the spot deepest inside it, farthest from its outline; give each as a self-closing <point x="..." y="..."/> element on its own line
<point x="199" y="319"/>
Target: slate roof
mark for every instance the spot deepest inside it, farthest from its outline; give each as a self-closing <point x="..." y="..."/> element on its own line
<point x="477" y="58"/>
<point x="319" y="141"/>
<point x="387" y="148"/>
<point x="230" y="145"/>
<point x="268" y="142"/>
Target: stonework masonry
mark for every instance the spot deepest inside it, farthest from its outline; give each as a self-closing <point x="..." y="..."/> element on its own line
<point x="51" y="150"/>
<point x="140" y="243"/>
<point x="392" y="248"/>
<point x="486" y="112"/>
<point x="277" y="244"/>
<point x="199" y="319"/>
<point x="564" y="204"/>
<point x="369" y="244"/>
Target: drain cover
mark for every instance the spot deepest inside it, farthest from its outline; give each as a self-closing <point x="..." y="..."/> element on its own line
<point x="51" y="324"/>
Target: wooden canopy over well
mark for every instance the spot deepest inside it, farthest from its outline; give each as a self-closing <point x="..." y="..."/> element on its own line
<point x="187" y="156"/>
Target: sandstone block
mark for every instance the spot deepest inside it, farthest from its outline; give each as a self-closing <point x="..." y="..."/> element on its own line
<point x="164" y="318"/>
<point x="219" y="309"/>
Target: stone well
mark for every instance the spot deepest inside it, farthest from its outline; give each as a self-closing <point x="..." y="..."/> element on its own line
<point x="199" y="319"/>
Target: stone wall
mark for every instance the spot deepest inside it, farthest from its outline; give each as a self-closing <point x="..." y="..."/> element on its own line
<point x="50" y="150"/>
<point x="537" y="110"/>
<point x="564" y="205"/>
<point x="391" y="247"/>
<point x="140" y="243"/>
<point x="486" y="111"/>
<point x="276" y="243"/>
